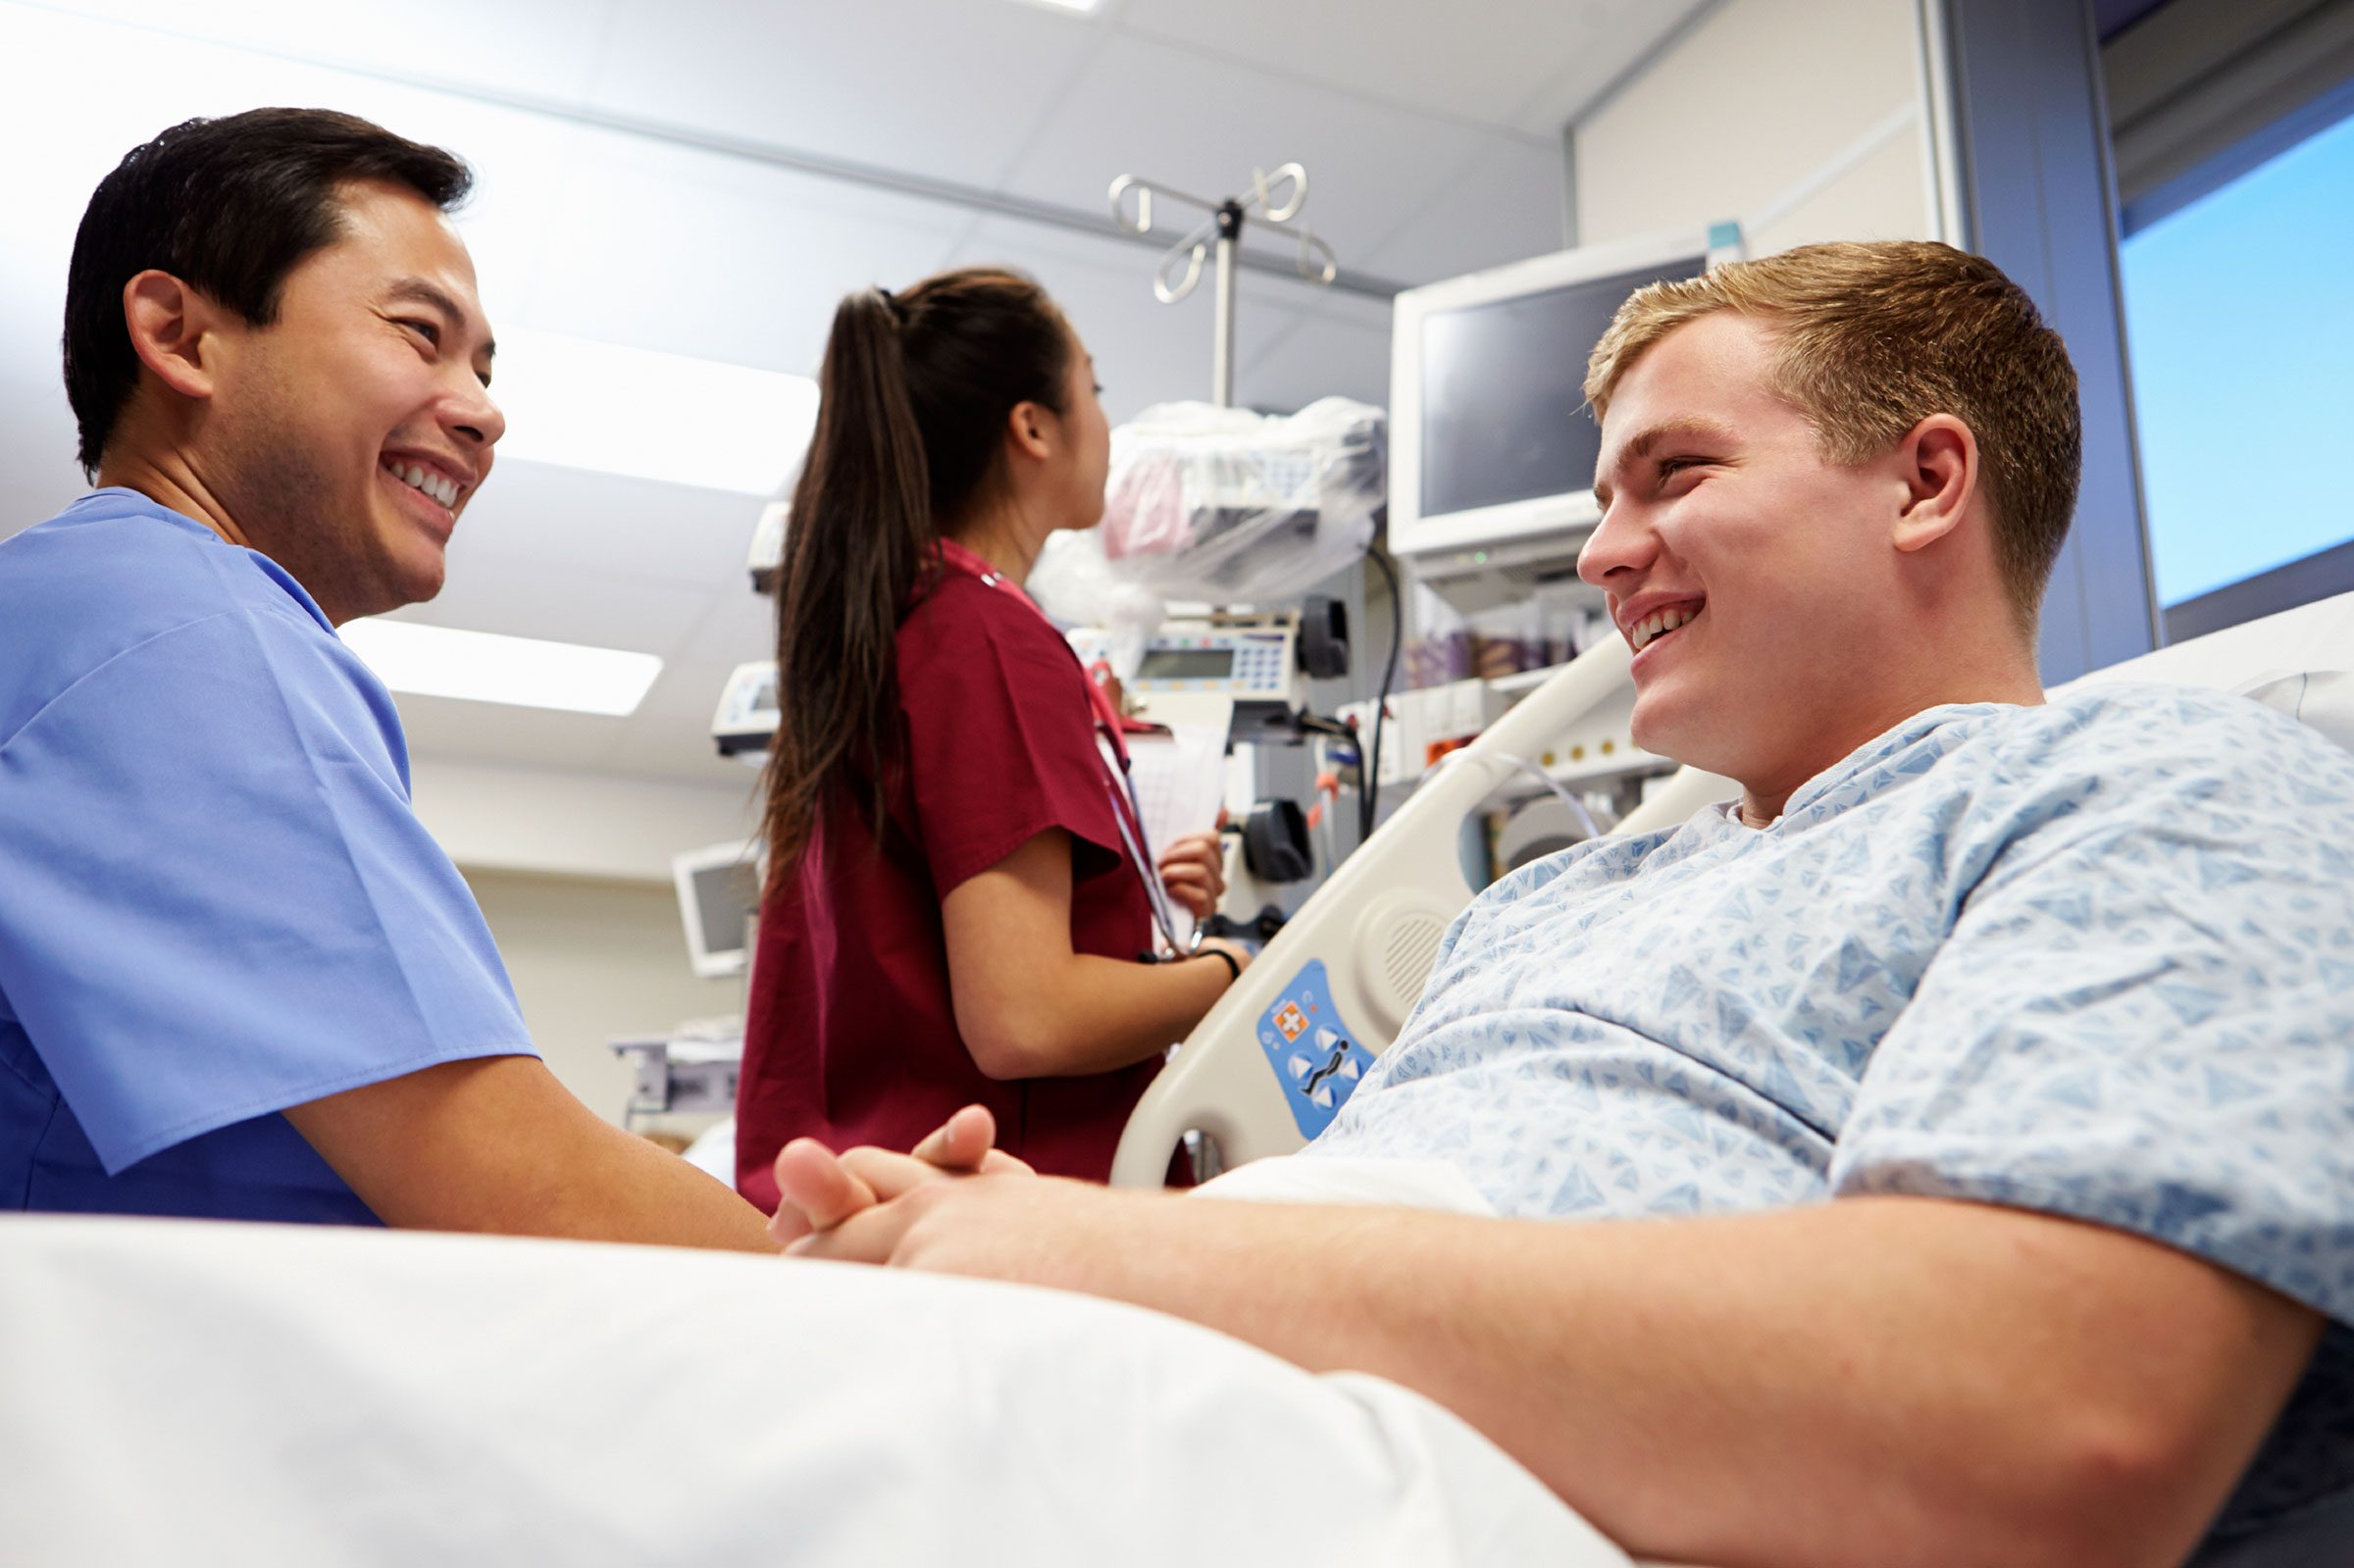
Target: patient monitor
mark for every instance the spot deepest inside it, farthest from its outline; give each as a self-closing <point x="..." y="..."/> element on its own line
<point x="1271" y="1064"/>
<point x="1493" y="446"/>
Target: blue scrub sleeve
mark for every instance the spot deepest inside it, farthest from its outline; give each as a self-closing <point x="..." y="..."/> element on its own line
<point x="2147" y="1025"/>
<point x="1000" y="739"/>
<point x="221" y="903"/>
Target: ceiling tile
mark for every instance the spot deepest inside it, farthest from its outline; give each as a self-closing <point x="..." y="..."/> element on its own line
<point x="637" y="529"/>
<point x="564" y="599"/>
<point x="543" y="49"/>
<point x="669" y="737"/>
<point x="736" y="626"/>
<point x="697" y="253"/>
<point x="1172" y="116"/>
<point x="948" y="88"/>
<point x="1476" y="60"/>
<point x="497" y="731"/>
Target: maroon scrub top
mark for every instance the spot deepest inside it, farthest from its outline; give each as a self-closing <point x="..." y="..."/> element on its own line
<point x="851" y="1031"/>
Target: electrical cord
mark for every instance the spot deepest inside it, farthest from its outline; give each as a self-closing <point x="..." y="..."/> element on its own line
<point x="1368" y="771"/>
<point x="1561" y="791"/>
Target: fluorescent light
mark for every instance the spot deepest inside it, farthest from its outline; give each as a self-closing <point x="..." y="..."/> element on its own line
<point x="433" y="661"/>
<point x="1067" y="5"/>
<point x="579" y="403"/>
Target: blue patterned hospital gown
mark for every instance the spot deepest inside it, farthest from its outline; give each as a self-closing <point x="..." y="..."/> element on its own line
<point x="2094" y="958"/>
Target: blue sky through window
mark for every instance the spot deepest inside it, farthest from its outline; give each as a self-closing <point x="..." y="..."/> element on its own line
<point x="2240" y="308"/>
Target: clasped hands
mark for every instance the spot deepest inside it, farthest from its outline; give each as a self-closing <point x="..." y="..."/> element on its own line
<point x="955" y="1203"/>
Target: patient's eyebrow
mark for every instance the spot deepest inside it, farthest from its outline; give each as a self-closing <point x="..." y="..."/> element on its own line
<point x="1694" y="426"/>
<point x="1703" y="429"/>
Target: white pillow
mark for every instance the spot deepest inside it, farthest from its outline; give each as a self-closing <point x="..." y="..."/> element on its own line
<point x="2321" y="698"/>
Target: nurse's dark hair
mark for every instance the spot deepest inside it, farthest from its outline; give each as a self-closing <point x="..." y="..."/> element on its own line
<point x="228" y="207"/>
<point x="912" y="408"/>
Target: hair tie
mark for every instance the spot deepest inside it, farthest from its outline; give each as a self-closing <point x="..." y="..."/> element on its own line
<point x="891" y="303"/>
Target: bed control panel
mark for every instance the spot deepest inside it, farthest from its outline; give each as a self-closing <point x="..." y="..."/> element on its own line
<point x="1314" y="1054"/>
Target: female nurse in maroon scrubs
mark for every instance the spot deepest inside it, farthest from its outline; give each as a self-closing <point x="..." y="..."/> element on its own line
<point x="961" y="905"/>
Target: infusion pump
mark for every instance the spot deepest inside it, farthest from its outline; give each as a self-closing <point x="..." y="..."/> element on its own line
<point x="1254" y="661"/>
<point x="746" y="718"/>
<point x="1249" y="658"/>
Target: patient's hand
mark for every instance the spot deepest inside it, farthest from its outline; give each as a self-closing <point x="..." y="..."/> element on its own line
<point x="818" y="1190"/>
<point x="1041" y="1230"/>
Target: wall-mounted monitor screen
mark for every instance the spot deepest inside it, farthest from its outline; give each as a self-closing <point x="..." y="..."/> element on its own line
<point x="1492" y="440"/>
<point x="719" y="893"/>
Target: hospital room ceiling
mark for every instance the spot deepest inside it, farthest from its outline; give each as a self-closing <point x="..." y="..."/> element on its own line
<point x="707" y="178"/>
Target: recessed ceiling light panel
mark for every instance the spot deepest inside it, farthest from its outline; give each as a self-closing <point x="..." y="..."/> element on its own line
<point x="433" y="661"/>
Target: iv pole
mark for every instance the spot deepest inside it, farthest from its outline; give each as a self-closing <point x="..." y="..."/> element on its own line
<point x="1223" y="229"/>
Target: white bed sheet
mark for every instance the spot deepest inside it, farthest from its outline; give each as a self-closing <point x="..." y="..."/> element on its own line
<point x="201" y="1392"/>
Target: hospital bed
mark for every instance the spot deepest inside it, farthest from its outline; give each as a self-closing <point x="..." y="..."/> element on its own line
<point x="1270" y="1065"/>
<point x="203" y="1392"/>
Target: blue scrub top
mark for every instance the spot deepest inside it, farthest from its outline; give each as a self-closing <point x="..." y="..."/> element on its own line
<point x="215" y="899"/>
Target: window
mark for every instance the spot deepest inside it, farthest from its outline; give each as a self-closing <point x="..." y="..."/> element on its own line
<point x="2238" y="273"/>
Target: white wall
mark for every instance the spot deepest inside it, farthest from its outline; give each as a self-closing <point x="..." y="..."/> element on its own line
<point x="1799" y="118"/>
<point x="592" y="959"/>
<point x="552" y="822"/>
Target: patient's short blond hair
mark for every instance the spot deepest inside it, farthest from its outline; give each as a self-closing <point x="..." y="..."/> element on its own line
<point x="1876" y="337"/>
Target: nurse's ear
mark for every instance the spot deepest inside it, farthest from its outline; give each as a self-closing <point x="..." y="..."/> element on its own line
<point x="1032" y="429"/>
<point x="179" y="335"/>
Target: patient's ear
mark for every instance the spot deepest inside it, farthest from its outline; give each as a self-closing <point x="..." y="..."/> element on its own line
<point x="1939" y="461"/>
<point x="177" y="332"/>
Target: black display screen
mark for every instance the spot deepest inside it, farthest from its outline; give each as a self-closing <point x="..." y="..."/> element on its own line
<point x="724" y="898"/>
<point x="1503" y="400"/>
<point x="1187" y="664"/>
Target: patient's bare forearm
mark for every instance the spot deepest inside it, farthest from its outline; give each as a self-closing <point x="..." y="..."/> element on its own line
<point x="1868" y="1381"/>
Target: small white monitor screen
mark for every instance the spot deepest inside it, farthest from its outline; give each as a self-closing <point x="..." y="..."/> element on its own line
<point x="1185" y="663"/>
<point x="1503" y="400"/>
<point x="724" y="898"/>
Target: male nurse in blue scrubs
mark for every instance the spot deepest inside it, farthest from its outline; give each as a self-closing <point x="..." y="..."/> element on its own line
<point x="237" y="978"/>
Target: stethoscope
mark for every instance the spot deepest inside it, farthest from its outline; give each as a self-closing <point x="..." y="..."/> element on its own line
<point x="1119" y="779"/>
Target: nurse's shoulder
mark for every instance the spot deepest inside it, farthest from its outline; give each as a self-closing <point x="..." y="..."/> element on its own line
<point x="963" y="624"/>
<point x="116" y="573"/>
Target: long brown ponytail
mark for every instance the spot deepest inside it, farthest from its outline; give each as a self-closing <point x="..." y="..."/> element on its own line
<point x="913" y="403"/>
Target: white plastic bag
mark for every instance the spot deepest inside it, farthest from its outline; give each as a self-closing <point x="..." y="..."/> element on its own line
<point x="1230" y="507"/>
<point x="1075" y="586"/>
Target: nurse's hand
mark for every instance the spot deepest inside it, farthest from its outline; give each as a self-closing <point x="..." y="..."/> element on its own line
<point x="1194" y="871"/>
<point x="818" y="1190"/>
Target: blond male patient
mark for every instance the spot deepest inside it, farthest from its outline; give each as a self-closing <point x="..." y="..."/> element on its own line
<point x="1942" y="1155"/>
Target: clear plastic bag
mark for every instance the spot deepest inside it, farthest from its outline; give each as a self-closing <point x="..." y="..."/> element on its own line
<point x="1230" y="507"/>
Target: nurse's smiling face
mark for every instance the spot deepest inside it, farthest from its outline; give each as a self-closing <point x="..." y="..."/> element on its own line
<point x="1756" y="580"/>
<point x="345" y="438"/>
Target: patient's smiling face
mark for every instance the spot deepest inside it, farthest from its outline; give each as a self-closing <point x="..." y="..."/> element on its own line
<point x="1719" y="510"/>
